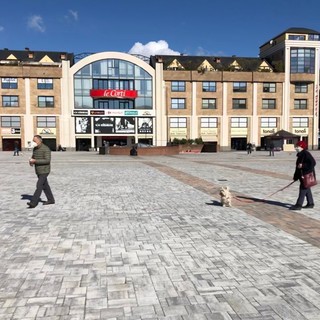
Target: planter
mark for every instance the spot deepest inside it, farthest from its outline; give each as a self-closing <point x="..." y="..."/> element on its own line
<point x="190" y="148"/>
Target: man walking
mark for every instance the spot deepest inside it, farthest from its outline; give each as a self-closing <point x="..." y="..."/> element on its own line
<point x="41" y="158"/>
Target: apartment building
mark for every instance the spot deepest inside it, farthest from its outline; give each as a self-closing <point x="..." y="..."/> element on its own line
<point x="121" y="99"/>
<point x="229" y="101"/>
<point x="31" y="93"/>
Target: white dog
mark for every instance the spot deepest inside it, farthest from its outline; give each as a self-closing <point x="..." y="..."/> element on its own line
<point x="226" y="197"/>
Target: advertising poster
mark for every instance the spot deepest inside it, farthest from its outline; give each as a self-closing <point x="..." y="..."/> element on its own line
<point x="145" y="125"/>
<point x="104" y="124"/>
<point x="125" y="125"/>
<point x="83" y="125"/>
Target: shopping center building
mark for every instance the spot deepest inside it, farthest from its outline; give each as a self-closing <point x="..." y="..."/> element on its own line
<point x="120" y="99"/>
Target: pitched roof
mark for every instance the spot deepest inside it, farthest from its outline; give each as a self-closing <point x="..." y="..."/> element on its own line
<point x="217" y="63"/>
<point x="283" y="134"/>
<point x="35" y="56"/>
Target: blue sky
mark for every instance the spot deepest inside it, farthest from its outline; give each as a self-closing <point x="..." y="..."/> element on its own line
<point x="201" y="27"/>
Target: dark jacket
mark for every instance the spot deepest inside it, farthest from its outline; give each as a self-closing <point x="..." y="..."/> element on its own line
<point x="42" y="154"/>
<point x="308" y="163"/>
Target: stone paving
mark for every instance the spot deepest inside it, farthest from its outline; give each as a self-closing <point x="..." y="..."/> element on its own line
<point x="137" y="238"/>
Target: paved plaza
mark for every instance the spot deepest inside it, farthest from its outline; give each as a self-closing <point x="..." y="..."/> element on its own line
<point x="145" y="238"/>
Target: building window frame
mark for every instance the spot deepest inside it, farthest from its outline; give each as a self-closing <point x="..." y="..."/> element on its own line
<point x="9" y="83"/>
<point x="268" y="104"/>
<point x="302" y="60"/>
<point x="10" y="121"/>
<point x="178" y="122"/>
<point x="269" y="87"/>
<point x="268" y="122"/>
<point x="45" y="84"/>
<point x="302" y="122"/>
<point x="10" y="101"/>
<point x="240" y="86"/>
<point x="46" y="122"/>
<point x="209" y="86"/>
<point x="209" y="103"/>
<point x="301" y="87"/>
<point x="300" y="104"/>
<point x="208" y="122"/>
<point x="178" y="103"/>
<point x="239" y="122"/>
<point x="45" y="101"/>
<point x="239" y="103"/>
<point x="178" y="86"/>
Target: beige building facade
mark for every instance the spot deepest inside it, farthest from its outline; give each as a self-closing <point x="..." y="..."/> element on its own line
<point x="119" y="99"/>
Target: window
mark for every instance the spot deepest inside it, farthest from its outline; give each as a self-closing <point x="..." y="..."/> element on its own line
<point x="239" y="122"/>
<point x="45" y="102"/>
<point x="10" y="101"/>
<point x="296" y="37"/>
<point x="178" y="103"/>
<point x="268" y="122"/>
<point x="301" y="87"/>
<point x="178" y="86"/>
<point x="178" y="122"/>
<point x="46" y="122"/>
<point x="314" y="37"/>
<point x="9" y="83"/>
<point x="300" y="122"/>
<point x="209" y="104"/>
<point x="269" y="87"/>
<point x="268" y="103"/>
<point x="10" y="122"/>
<point x="302" y="60"/>
<point x="239" y="103"/>
<point x="239" y="87"/>
<point x="209" y="122"/>
<point x="113" y="84"/>
<point x="209" y="86"/>
<point x="300" y="104"/>
<point x="45" y="83"/>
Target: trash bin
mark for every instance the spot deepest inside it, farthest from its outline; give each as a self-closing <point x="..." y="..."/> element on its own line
<point x="103" y="150"/>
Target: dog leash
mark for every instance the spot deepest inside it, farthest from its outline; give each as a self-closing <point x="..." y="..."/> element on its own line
<point x="287" y="186"/>
<point x="268" y="196"/>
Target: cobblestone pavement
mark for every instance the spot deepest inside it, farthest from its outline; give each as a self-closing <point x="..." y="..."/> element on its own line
<point x="137" y="238"/>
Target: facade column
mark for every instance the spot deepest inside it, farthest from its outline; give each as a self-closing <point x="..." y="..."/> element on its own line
<point x="254" y="120"/>
<point x="225" y="123"/>
<point x="28" y="117"/>
<point x="315" y="136"/>
<point x="161" y="125"/>
<point x="66" y="120"/>
<point x="194" y="119"/>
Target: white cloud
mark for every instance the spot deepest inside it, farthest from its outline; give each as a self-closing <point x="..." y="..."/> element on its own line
<point x="74" y="14"/>
<point x="152" y="48"/>
<point x="1" y="28"/>
<point x="36" y="22"/>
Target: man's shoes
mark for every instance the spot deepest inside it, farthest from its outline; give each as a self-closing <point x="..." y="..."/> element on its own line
<point x="295" y="207"/>
<point x="31" y="205"/>
<point x="308" y="206"/>
<point x="48" y="202"/>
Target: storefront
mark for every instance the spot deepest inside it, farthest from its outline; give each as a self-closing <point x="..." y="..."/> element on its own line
<point x="113" y="101"/>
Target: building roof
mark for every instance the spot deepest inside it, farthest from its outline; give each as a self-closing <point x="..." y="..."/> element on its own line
<point x="30" y="56"/>
<point x="297" y="30"/>
<point x="183" y="62"/>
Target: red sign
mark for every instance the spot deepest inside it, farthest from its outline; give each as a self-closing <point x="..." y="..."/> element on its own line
<point x="111" y="93"/>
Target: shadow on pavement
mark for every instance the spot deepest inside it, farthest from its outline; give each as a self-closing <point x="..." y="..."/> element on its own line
<point x="271" y="202"/>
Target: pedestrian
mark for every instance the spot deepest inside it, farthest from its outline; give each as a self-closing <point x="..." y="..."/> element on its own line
<point x="271" y="150"/>
<point x="16" y="148"/>
<point x="249" y="148"/>
<point x="305" y="164"/>
<point x="40" y="159"/>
